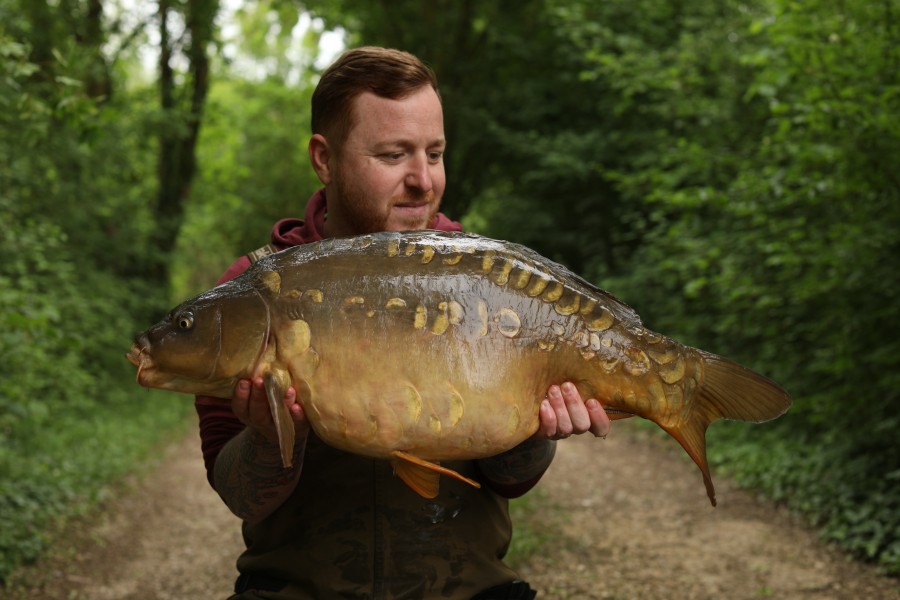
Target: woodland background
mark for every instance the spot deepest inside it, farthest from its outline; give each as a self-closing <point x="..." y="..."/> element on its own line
<point x="730" y="169"/>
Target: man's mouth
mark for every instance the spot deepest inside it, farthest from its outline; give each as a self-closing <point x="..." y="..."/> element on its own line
<point x="414" y="212"/>
<point x="426" y="199"/>
<point x="413" y="209"/>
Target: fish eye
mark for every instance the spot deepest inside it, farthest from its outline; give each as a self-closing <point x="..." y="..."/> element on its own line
<point x="185" y="320"/>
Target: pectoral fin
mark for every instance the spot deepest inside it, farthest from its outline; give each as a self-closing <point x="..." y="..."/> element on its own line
<point x="276" y="384"/>
<point x="423" y="476"/>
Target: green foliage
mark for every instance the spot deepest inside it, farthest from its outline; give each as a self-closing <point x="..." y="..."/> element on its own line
<point x="69" y="423"/>
<point x="73" y="195"/>
<point x="254" y="171"/>
<point x="80" y="210"/>
<point x="826" y="476"/>
<point x="252" y="155"/>
<point x="69" y="464"/>
<point x="787" y="259"/>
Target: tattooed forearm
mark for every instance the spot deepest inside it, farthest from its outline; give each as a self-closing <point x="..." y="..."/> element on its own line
<point x="251" y="478"/>
<point x="526" y="461"/>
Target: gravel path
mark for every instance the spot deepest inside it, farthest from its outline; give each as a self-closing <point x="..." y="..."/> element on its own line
<point x="625" y="518"/>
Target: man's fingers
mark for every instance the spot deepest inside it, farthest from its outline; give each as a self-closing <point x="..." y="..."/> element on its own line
<point x="563" y="420"/>
<point x="290" y="397"/>
<point x="600" y="424"/>
<point x="242" y="390"/>
<point x="260" y="413"/>
<point x="250" y="404"/>
<point x="548" y="419"/>
<point x="296" y="410"/>
<point x="578" y="413"/>
<point x="240" y="402"/>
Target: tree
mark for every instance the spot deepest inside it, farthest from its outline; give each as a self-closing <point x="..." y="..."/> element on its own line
<point x="182" y="107"/>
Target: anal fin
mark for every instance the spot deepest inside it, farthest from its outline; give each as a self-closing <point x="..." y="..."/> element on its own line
<point x="423" y="476"/>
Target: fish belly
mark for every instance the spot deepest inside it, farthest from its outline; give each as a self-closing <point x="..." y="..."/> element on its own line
<point x="439" y="397"/>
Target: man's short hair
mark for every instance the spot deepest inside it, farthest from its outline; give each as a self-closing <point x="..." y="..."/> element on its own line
<point x="384" y="72"/>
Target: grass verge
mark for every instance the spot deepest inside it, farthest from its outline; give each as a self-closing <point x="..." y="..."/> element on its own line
<point x="66" y="465"/>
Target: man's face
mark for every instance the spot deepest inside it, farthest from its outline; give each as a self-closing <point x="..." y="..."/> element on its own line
<point x="389" y="173"/>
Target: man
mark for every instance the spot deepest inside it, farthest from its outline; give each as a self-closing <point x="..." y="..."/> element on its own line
<point x="337" y="525"/>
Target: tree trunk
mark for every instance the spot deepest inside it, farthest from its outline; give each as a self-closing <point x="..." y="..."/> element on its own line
<point x="97" y="83"/>
<point x="181" y="127"/>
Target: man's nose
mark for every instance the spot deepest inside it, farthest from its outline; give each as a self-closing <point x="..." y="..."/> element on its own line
<point x="419" y="175"/>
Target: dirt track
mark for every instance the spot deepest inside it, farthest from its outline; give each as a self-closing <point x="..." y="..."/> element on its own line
<point x="620" y="518"/>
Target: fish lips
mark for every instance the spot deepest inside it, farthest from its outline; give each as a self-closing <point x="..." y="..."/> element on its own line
<point x="135" y="355"/>
<point x="139" y="356"/>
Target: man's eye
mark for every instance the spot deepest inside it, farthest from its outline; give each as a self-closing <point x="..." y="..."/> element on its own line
<point x="435" y="156"/>
<point x="394" y="156"/>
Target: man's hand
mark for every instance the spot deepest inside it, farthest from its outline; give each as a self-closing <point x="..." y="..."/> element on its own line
<point x="251" y="406"/>
<point x="249" y="473"/>
<point x="564" y="413"/>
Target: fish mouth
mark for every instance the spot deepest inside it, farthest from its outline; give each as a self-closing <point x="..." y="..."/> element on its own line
<point x="138" y="356"/>
<point x="134" y="355"/>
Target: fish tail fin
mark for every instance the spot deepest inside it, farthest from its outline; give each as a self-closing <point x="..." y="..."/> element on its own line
<point x="692" y="437"/>
<point x="726" y="390"/>
<point x="732" y="391"/>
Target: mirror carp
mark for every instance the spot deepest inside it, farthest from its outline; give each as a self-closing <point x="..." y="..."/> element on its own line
<point x="423" y="346"/>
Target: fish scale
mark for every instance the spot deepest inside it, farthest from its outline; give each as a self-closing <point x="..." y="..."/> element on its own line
<point x="418" y="347"/>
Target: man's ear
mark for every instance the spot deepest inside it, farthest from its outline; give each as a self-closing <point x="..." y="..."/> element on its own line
<point x="320" y="155"/>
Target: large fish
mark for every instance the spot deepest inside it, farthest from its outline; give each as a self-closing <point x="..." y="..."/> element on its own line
<point x="424" y="346"/>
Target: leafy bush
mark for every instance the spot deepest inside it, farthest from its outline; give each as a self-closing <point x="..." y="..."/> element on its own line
<point x="788" y="264"/>
<point x="848" y="491"/>
<point x="70" y="422"/>
<point x="70" y="419"/>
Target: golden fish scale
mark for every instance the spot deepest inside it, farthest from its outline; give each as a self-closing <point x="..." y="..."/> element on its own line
<point x="444" y="346"/>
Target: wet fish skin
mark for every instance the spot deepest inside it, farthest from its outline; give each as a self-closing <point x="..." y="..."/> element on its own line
<point x="424" y="346"/>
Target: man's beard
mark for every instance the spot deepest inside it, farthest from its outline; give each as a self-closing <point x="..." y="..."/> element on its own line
<point x="364" y="215"/>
